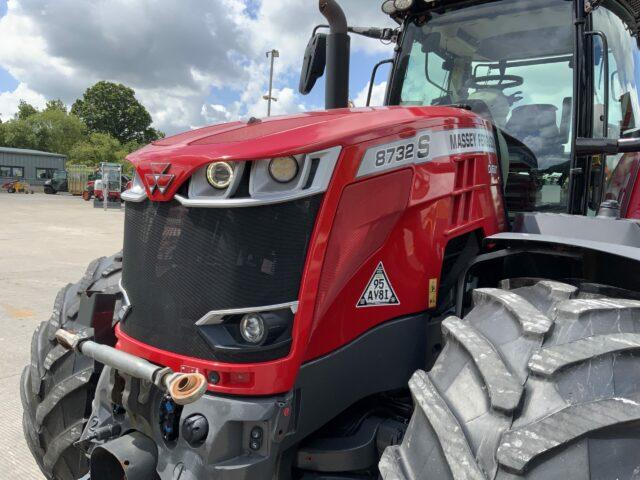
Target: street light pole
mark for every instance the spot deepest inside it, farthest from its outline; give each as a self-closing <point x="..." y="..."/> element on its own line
<point x="273" y="54"/>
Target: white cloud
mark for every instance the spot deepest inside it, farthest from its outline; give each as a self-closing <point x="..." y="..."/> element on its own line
<point x="172" y="53"/>
<point x="286" y="102"/>
<point x="377" y="95"/>
<point x="9" y="100"/>
<point x="215" y="113"/>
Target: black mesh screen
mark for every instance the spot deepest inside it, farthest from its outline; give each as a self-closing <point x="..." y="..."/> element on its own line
<point x="180" y="263"/>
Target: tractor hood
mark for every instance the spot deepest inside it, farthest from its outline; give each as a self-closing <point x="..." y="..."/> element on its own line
<point x="177" y="157"/>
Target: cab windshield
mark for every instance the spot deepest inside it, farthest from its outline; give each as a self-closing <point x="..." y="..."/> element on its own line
<point x="511" y="62"/>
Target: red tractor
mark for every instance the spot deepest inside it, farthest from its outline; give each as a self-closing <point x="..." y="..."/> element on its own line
<point x="283" y="280"/>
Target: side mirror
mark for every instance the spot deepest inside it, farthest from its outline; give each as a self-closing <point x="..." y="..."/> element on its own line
<point x="315" y="59"/>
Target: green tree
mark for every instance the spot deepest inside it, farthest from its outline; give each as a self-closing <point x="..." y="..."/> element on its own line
<point x="102" y="147"/>
<point x="19" y="134"/>
<point x="98" y="148"/>
<point x="56" y="104"/>
<point x="125" y="150"/>
<point x="151" y="135"/>
<point x="25" y="110"/>
<point x="51" y="130"/>
<point x="56" y="130"/>
<point x="113" y="108"/>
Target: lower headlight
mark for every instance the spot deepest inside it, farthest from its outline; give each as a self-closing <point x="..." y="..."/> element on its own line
<point x="220" y="175"/>
<point x="252" y="328"/>
<point x="283" y="169"/>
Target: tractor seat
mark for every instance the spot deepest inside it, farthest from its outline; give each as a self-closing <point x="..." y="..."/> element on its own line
<point x="480" y="108"/>
<point x="535" y="125"/>
<point x="495" y="101"/>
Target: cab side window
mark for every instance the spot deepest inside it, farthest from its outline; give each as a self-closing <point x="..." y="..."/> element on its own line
<point x="623" y="104"/>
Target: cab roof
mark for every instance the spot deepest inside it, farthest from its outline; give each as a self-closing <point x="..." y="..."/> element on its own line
<point x="627" y="9"/>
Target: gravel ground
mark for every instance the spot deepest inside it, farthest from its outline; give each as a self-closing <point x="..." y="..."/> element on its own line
<point x="46" y="241"/>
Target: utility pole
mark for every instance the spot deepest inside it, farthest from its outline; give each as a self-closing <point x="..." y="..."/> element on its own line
<point x="269" y="98"/>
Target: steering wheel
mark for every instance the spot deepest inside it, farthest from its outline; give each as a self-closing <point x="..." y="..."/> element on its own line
<point x="500" y="82"/>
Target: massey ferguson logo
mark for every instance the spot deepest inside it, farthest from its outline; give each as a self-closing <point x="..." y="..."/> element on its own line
<point x="159" y="179"/>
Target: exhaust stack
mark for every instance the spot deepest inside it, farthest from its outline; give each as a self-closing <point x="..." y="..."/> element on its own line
<point x="131" y="457"/>
<point x="338" y="52"/>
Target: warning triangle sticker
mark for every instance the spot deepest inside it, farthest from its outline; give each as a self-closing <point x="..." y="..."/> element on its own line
<point x="379" y="291"/>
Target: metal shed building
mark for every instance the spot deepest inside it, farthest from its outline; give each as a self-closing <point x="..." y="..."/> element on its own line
<point x="31" y="165"/>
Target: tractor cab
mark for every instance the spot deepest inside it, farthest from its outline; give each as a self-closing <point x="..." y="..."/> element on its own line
<point x="511" y="62"/>
<point x="517" y="64"/>
<point x="543" y="72"/>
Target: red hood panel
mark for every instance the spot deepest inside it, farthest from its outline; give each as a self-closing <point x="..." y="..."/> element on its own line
<point x="264" y="129"/>
<point x="276" y="136"/>
<point x="186" y="137"/>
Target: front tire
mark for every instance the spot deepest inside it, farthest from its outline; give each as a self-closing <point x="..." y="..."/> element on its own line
<point x="541" y="380"/>
<point x="57" y="388"/>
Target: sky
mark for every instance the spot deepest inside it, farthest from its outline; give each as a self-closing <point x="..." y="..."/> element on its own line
<point x="191" y="62"/>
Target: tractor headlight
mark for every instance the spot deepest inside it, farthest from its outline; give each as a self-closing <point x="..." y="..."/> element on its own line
<point x="220" y="175"/>
<point x="252" y="328"/>
<point x="403" y="5"/>
<point x="388" y="7"/>
<point x="283" y="169"/>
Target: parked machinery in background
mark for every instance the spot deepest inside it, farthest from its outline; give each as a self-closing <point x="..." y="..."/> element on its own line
<point x="57" y="183"/>
<point x="95" y="186"/>
<point x="17" y="186"/>
<point x="77" y="177"/>
<point x="109" y="183"/>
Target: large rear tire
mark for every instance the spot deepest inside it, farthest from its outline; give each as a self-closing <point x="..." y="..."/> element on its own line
<point x="541" y="380"/>
<point x="57" y="388"/>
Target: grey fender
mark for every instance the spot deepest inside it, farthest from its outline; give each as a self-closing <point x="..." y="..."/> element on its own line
<point x="600" y="250"/>
<point x="619" y="237"/>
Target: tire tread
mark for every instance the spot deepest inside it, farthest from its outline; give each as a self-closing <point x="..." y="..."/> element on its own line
<point x="562" y="335"/>
<point x="57" y="387"/>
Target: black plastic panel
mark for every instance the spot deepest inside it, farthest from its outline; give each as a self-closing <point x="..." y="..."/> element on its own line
<point x="381" y="360"/>
<point x="180" y="263"/>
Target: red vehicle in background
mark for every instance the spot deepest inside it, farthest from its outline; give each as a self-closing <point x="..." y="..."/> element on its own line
<point x="90" y="190"/>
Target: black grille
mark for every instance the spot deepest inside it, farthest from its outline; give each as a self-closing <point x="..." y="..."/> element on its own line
<point x="180" y="263"/>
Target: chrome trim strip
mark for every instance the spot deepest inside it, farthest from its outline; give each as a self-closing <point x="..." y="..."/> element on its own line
<point x="125" y="296"/>
<point x="245" y="202"/>
<point x="214" y="317"/>
<point x="132" y="195"/>
<point x="137" y="192"/>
